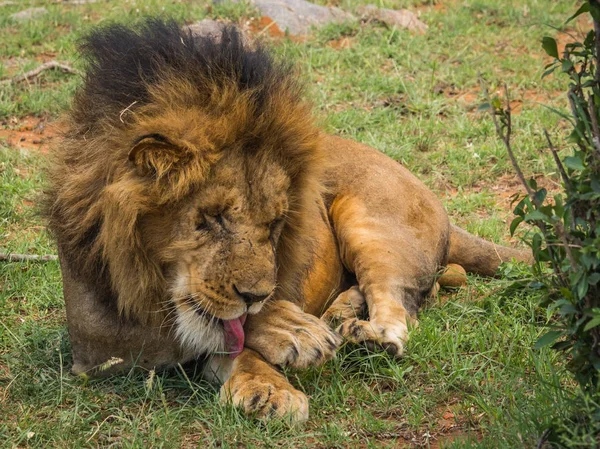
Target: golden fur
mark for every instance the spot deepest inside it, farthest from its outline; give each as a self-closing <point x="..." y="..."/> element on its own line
<point x="193" y="188"/>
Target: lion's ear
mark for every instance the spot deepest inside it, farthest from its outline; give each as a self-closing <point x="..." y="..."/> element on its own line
<point x="155" y="155"/>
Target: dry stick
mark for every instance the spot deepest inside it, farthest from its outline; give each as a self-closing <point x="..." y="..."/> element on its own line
<point x="7" y="257"/>
<point x="35" y="72"/>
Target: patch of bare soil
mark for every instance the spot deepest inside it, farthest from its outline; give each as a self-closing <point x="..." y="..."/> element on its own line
<point x="576" y="32"/>
<point x="340" y="44"/>
<point x="29" y="133"/>
<point x="519" y="100"/>
<point x="438" y="6"/>
<point x="507" y="186"/>
<point x="264" y="25"/>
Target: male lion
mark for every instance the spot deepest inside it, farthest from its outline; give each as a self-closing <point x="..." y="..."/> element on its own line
<point x="199" y="211"/>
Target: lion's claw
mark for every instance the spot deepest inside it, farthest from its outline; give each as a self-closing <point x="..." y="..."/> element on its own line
<point x="265" y="396"/>
<point x="287" y="336"/>
<point x="390" y="336"/>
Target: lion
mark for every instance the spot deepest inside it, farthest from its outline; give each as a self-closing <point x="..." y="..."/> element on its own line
<point x="201" y="214"/>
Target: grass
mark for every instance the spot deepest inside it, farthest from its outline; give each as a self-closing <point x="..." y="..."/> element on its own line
<point x="470" y="377"/>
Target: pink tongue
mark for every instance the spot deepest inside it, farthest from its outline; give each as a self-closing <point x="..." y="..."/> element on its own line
<point x="234" y="335"/>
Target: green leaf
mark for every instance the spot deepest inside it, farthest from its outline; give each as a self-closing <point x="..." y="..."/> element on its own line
<point x="574" y="163"/>
<point x="547" y="339"/>
<point x="594" y="278"/>
<point x="514" y="224"/>
<point x="582" y="288"/>
<point x="592" y="323"/>
<point x="582" y="9"/>
<point x="536" y="215"/>
<point x="594" y="10"/>
<point x="566" y="65"/>
<point x="540" y="195"/>
<point x="548" y="72"/>
<point x="550" y="47"/>
<point x="567" y="309"/>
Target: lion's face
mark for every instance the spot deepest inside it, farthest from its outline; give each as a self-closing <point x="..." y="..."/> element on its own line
<point x="218" y="245"/>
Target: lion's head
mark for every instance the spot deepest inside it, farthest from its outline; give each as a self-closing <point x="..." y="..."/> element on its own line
<point x="180" y="188"/>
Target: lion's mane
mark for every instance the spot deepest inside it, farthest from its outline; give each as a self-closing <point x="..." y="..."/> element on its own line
<point x="157" y="73"/>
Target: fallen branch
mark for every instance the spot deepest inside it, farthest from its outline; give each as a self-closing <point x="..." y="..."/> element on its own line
<point x="7" y="257"/>
<point x="35" y="72"/>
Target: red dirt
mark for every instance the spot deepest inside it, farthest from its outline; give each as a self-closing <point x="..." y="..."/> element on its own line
<point x="339" y="44"/>
<point x="520" y="99"/>
<point x="264" y="25"/>
<point x="29" y="133"/>
<point x="575" y="32"/>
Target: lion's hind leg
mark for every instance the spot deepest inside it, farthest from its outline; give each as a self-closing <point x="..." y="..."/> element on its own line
<point x="395" y="265"/>
<point x="349" y="315"/>
<point x="350" y="304"/>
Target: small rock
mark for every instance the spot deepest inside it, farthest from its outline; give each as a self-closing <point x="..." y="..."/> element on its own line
<point x="402" y="18"/>
<point x="206" y="27"/>
<point x="28" y="14"/>
<point x="298" y="16"/>
<point x="213" y="29"/>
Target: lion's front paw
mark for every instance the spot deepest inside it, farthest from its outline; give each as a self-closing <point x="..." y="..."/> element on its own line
<point x="286" y="336"/>
<point x="391" y="336"/>
<point x="265" y="396"/>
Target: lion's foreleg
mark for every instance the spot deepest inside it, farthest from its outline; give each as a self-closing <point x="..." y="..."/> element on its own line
<point x="286" y="336"/>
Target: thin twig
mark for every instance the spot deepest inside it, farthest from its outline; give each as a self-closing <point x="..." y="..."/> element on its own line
<point x="561" y="168"/>
<point x="594" y="116"/>
<point x="560" y="230"/>
<point x="35" y="72"/>
<point x="505" y="136"/>
<point x="543" y="439"/>
<point x="8" y="257"/>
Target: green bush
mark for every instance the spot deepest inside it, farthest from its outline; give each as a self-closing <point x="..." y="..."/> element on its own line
<point x="568" y="226"/>
<point x="565" y="229"/>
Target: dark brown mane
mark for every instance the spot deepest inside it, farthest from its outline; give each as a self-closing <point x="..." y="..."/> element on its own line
<point x="209" y="97"/>
<point x="124" y="62"/>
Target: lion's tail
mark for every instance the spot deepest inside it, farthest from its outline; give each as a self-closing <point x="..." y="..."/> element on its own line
<point x="479" y="256"/>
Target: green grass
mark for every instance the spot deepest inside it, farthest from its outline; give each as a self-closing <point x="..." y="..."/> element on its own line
<point x="469" y="372"/>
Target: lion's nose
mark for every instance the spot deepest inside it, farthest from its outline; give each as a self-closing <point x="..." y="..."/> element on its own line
<point x="251" y="297"/>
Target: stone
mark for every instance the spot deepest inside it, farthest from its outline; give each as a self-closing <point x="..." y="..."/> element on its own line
<point x="28" y="14"/>
<point x="402" y="18"/>
<point x="298" y="16"/>
<point x="206" y="27"/>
